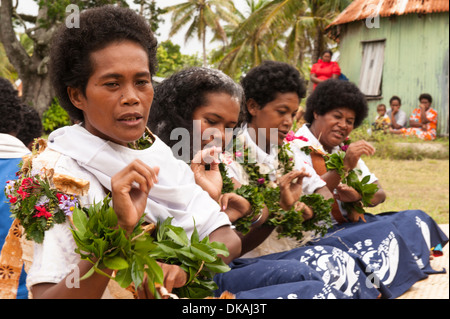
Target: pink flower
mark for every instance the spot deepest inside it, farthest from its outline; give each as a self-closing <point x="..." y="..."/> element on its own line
<point x="42" y="212"/>
<point x="291" y="136"/>
<point x="344" y="148"/>
<point x="261" y="181"/>
<point x="238" y="154"/>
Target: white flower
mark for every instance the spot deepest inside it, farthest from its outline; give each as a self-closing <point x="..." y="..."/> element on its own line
<point x="9" y="187"/>
<point x="263" y="168"/>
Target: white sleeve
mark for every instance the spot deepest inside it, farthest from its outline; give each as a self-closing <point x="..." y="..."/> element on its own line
<point x="54" y="258"/>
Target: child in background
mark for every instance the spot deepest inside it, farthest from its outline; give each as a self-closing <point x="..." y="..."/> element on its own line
<point x="382" y="120"/>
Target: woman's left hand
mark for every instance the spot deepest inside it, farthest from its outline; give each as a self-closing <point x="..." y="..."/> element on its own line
<point x="174" y="277"/>
<point x="210" y="180"/>
<point x="347" y="194"/>
<point x="235" y="206"/>
<point x="305" y="209"/>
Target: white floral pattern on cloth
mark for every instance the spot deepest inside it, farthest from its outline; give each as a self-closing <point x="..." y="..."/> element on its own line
<point x="337" y="268"/>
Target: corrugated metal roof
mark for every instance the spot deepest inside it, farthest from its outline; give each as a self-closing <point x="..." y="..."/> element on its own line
<point x="362" y="9"/>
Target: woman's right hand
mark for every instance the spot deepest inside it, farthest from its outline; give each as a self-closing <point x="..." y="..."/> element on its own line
<point x="130" y="188"/>
<point x="354" y="152"/>
<point x="235" y="206"/>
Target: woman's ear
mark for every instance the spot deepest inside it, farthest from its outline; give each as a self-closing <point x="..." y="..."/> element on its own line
<point x="316" y="116"/>
<point x="252" y="107"/>
<point x="76" y="97"/>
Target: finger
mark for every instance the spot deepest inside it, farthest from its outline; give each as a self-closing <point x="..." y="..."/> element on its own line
<point x="223" y="201"/>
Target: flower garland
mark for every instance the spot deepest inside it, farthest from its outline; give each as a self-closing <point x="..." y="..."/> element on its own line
<point x="36" y="203"/>
<point x="261" y="192"/>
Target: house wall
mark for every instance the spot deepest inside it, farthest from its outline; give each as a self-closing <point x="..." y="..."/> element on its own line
<point x="416" y="59"/>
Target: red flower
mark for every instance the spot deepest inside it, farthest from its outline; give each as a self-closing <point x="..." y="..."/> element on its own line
<point x="22" y="193"/>
<point x="12" y="199"/>
<point x="42" y="212"/>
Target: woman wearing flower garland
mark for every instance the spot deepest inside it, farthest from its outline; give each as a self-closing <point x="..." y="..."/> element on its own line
<point x="102" y="73"/>
<point x="387" y="243"/>
<point x="217" y="105"/>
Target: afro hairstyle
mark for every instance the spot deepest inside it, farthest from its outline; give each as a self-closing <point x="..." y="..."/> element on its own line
<point x="70" y="64"/>
<point x="262" y="83"/>
<point x="332" y="94"/>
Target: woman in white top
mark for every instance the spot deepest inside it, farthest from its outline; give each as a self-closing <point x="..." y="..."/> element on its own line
<point x="210" y="99"/>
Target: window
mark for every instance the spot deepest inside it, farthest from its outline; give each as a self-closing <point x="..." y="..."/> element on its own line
<point x="372" y="68"/>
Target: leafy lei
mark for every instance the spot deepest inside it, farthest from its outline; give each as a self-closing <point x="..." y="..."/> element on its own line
<point x="261" y="192"/>
<point x="38" y="204"/>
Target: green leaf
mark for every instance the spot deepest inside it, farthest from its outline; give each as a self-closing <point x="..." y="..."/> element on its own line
<point x="178" y="235"/>
<point x="220" y="248"/>
<point x="80" y="221"/>
<point x="115" y="262"/>
<point x="123" y="277"/>
<point x="204" y="252"/>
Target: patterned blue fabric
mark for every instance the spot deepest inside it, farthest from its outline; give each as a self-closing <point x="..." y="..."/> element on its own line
<point x="395" y="246"/>
<point x="382" y="258"/>
<point x="318" y="272"/>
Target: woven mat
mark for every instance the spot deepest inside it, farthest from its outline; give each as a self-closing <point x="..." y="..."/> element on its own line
<point x="435" y="286"/>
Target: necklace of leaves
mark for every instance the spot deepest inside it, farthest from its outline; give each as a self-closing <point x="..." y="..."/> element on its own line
<point x="260" y="192"/>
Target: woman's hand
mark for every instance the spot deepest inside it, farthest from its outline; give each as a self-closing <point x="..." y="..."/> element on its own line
<point x="210" y="180"/>
<point x="305" y="209"/>
<point x="174" y="277"/>
<point x="235" y="206"/>
<point x="130" y="188"/>
<point x="354" y="152"/>
<point x="347" y="194"/>
<point x="290" y="191"/>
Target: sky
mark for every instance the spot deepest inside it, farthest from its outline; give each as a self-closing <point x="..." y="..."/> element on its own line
<point x="193" y="46"/>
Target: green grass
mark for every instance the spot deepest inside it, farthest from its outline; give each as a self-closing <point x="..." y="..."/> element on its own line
<point x="411" y="184"/>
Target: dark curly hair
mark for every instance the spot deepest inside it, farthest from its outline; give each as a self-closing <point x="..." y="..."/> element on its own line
<point x="395" y="98"/>
<point x="10" y="118"/>
<point x="332" y="94"/>
<point x="70" y="64"/>
<point x="178" y="96"/>
<point x="32" y="125"/>
<point x="426" y="96"/>
<point x="262" y="83"/>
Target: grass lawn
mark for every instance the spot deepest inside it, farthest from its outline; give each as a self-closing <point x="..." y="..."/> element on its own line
<point x="413" y="184"/>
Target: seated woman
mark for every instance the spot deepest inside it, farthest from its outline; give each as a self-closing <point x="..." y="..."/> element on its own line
<point x="333" y="110"/>
<point x="106" y="84"/>
<point x="423" y="120"/>
<point x="207" y="119"/>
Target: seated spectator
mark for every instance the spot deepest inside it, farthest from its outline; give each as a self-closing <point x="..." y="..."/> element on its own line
<point x="382" y="120"/>
<point x="423" y="120"/>
<point x="398" y="117"/>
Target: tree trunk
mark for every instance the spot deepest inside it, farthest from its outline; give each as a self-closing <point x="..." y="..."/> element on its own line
<point x="205" y="63"/>
<point x="318" y="44"/>
<point x="32" y="70"/>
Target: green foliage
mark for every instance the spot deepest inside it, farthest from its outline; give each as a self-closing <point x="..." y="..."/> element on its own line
<point x="367" y="190"/>
<point x="55" y="117"/>
<point x="100" y="241"/>
<point x="199" y="258"/>
<point x="170" y="59"/>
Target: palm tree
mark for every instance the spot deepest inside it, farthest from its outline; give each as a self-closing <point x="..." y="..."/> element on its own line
<point x="200" y="15"/>
<point x="296" y="25"/>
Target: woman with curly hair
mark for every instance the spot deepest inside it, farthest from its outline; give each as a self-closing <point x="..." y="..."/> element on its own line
<point x="388" y="243"/>
<point x="208" y="102"/>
